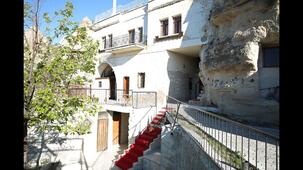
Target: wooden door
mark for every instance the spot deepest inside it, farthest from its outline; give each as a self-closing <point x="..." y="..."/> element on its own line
<point x="126" y="86"/>
<point x="116" y="128"/>
<point x="112" y="84"/>
<point x="102" y="134"/>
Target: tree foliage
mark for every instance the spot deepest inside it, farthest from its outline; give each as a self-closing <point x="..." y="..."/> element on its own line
<point x="51" y="68"/>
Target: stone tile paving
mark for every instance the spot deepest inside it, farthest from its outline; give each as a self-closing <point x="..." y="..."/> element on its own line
<point x="106" y="160"/>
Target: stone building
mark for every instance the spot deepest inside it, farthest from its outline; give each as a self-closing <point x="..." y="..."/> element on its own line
<point x="148" y="50"/>
<point x="217" y="53"/>
<point x="223" y="54"/>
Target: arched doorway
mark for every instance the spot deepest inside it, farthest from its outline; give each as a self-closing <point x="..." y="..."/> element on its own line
<point x="106" y="71"/>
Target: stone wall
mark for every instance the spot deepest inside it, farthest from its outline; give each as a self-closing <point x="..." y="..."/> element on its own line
<point x="229" y="62"/>
<point x="179" y="151"/>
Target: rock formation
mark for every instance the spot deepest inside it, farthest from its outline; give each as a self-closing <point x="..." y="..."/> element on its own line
<point x="229" y="63"/>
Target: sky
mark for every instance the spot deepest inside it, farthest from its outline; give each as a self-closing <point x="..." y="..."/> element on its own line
<point x="82" y="8"/>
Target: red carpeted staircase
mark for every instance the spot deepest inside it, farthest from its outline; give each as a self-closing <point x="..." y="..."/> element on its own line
<point x="142" y="143"/>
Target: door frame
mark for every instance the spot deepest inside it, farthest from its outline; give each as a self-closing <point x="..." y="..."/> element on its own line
<point x="99" y="148"/>
<point x="117" y="115"/>
<point x="112" y="87"/>
<point x="126" y="86"/>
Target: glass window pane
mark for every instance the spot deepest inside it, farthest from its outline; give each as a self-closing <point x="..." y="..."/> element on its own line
<point x="271" y="57"/>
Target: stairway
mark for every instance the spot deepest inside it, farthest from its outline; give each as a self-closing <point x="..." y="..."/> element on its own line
<point x="142" y="143"/>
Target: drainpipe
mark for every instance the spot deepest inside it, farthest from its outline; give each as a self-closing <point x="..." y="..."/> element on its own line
<point x="114" y="7"/>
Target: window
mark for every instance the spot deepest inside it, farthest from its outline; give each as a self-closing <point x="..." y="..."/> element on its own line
<point x="131" y="36"/>
<point x="164" y="27"/>
<point x="110" y="40"/>
<point x="177" y="24"/>
<point x="271" y="57"/>
<point x="141" y="80"/>
<point x="100" y="83"/>
<point x="104" y="42"/>
<point x="140" y="34"/>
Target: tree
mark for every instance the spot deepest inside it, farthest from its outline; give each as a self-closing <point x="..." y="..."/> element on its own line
<point x="50" y="70"/>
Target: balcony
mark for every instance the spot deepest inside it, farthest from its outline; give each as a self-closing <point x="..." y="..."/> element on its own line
<point x="120" y="9"/>
<point x="123" y="43"/>
<point x="118" y="97"/>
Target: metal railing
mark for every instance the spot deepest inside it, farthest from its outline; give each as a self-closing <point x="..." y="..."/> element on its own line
<point x="230" y="144"/>
<point x="54" y="146"/>
<point x="135" y="99"/>
<point x="120" y="9"/>
<point x="124" y="40"/>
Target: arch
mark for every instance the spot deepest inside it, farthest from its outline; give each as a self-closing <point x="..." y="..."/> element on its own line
<point x="106" y="71"/>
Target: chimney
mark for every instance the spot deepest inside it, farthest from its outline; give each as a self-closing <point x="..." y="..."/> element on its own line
<point x="114" y="7"/>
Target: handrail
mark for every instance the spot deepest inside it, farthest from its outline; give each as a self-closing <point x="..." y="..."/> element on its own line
<point x="124" y="40"/>
<point x="175" y="120"/>
<point x="226" y="119"/>
<point x="83" y="155"/>
<point x="120" y="96"/>
<point x="219" y="146"/>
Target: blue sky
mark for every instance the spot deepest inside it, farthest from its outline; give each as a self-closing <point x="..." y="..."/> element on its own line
<point x="82" y="8"/>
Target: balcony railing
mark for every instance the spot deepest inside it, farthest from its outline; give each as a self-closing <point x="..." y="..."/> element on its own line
<point x="120" y="9"/>
<point x="135" y="99"/>
<point x="124" y="41"/>
<point x="230" y="144"/>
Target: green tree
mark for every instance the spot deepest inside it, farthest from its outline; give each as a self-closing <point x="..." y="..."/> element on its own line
<point x="50" y="70"/>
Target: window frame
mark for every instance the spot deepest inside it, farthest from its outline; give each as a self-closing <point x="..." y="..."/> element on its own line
<point x="141" y="80"/>
<point x="104" y="42"/>
<point x="110" y="40"/>
<point x="270" y="65"/>
<point x="177" y="20"/>
<point x="164" y="26"/>
<point x="140" y="29"/>
<point x="131" y="36"/>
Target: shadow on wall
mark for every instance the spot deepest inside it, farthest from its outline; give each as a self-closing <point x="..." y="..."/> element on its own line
<point x="38" y="142"/>
<point x="240" y="98"/>
<point x="183" y="76"/>
<point x="47" y="147"/>
<point x="119" y="59"/>
<point x="202" y="8"/>
<point x="138" y="126"/>
<point x="183" y="68"/>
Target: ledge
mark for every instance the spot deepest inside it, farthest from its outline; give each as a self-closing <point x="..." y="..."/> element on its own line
<point x="124" y="48"/>
<point x="168" y="37"/>
<point x="230" y="10"/>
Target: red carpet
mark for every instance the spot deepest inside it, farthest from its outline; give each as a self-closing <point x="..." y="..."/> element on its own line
<point x="142" y="143"/>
